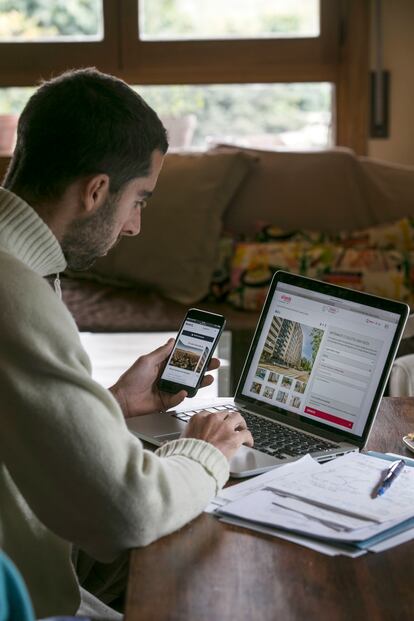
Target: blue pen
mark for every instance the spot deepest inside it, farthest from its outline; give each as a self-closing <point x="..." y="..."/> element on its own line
<point x="391" y="475"/>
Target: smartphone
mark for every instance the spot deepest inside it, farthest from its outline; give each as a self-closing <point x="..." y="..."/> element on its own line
<point x="193" y="349"/>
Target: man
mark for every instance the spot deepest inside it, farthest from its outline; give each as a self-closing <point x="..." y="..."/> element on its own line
<point x="88" y="155"/>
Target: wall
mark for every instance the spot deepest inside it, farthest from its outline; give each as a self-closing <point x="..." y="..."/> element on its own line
<point x="398" y="54"/>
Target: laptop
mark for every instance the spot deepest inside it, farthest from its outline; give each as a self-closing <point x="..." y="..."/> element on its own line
<point x="313" y="378"/>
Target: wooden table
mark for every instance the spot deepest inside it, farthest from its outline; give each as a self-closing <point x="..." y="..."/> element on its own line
<point x="210" y="571"/>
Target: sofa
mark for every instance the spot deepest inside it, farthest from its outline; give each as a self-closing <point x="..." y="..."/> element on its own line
<point x="210" y="207"/>
<point x="220" y="222"/>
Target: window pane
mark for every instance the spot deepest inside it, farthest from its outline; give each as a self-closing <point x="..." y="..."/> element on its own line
<point x="220" y="19"/>
<point x="40" y="20"/>
<point x="286" y="116"/>
<point x="262" y="115"/>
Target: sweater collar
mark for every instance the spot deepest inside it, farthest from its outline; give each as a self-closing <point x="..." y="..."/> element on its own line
<point x="27" y="237"/>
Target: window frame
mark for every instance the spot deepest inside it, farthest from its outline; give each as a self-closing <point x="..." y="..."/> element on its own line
<point x="230" y="60"/>
<point x="340" y="55"/>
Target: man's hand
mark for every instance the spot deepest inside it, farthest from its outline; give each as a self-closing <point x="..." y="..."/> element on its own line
<point x="137" y="390"/>
<point x="227" y="431"/>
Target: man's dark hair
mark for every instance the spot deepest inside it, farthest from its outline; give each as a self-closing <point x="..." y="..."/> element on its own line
<point x="82" y="123"/>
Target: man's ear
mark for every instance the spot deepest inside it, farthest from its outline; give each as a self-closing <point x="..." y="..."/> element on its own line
<point x="95" y="192"/>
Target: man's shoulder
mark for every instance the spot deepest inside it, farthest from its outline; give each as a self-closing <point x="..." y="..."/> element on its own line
<point x="24" y="292"/>
<point x="17" y="277"/>
<point x="10" y="265"/>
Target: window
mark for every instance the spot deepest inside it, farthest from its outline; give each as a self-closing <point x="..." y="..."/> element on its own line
<point x="303" y="51"/>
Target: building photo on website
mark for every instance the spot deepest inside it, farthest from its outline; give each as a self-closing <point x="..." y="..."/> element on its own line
<point x="290" y="350"/>
<point x="186" y="357"/>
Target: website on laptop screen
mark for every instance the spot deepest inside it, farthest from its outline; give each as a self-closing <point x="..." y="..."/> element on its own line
<point x="321" y="357"/>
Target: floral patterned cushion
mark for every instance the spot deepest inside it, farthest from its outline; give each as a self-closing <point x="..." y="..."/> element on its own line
<point x="398" y="235"/>
<point x="379" y="260"/>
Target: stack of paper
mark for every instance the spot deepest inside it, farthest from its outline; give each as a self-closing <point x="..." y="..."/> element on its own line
<point x="329" y="507"/>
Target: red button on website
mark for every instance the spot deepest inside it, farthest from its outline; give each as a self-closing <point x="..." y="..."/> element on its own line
<point x="330" y="417"/>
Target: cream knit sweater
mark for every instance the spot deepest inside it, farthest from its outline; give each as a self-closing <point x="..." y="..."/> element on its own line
<point x="70" y="471"/>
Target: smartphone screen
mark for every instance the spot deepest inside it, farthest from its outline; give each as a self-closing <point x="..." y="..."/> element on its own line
<point x="192" y="350"/>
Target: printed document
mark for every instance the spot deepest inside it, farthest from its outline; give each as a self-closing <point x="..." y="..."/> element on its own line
<point x="346" y="485"/>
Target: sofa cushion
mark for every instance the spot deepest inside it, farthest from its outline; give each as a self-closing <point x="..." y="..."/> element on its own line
<point x="321" y="190"/>
<point x="254" y="264"/>
<point x="379" y="261"/>
<point x="176" y="250"/>
<point x="397" y="235"/>
<point x="328" y="190"/>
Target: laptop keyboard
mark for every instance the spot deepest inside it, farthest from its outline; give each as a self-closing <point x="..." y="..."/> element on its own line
<point x="271" y="437"/>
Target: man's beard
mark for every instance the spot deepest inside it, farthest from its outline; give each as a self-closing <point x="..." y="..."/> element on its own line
<point x="88" y="239"/>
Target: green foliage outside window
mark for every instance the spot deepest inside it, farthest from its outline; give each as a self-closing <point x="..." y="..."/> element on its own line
<point x="229" y="18"/>
<point x="242" y="110"/>
<point x="228" y="112"/>
<point x="31" y="19"/>
<point x="12" y="100"/>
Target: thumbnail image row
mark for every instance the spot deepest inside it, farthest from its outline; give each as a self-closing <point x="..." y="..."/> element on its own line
<point x="287" y="382"/>
<point x="278" y="395"/>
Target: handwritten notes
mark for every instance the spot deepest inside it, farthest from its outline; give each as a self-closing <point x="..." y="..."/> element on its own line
<point x="346" y="484"/>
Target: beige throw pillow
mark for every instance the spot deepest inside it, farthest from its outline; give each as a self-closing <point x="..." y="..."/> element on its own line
<point x="176" y="250"/>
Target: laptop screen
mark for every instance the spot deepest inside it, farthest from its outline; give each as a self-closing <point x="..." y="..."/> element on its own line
<point x="320" y="356"/>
